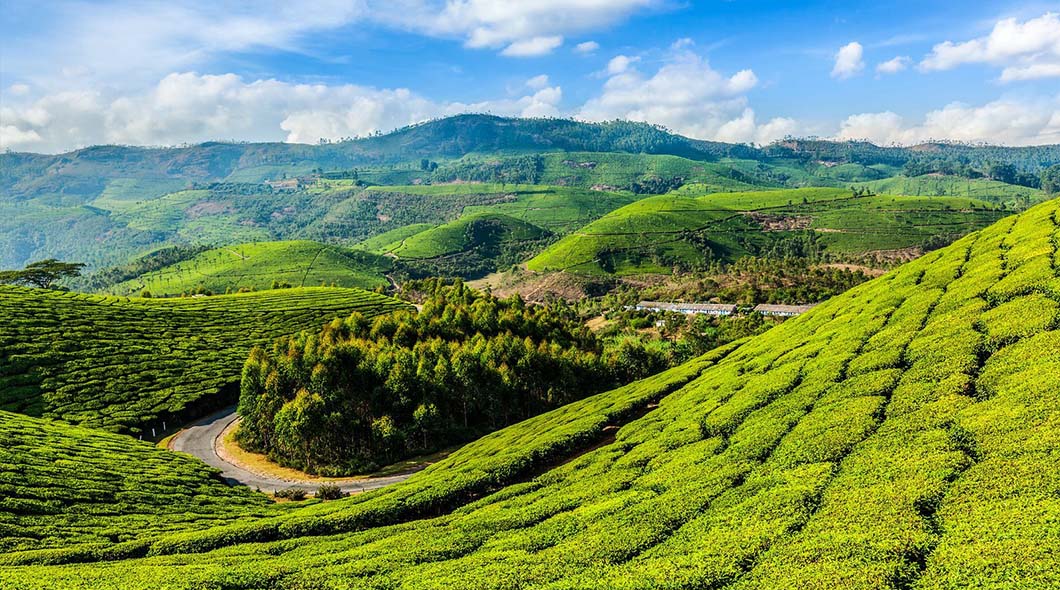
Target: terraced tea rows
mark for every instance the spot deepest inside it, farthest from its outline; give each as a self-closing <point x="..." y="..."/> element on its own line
<point x="66" y="485"/>
<point x="299" y="263"/>
<point x="130" y="364"/>
<point x="902" y="435"/>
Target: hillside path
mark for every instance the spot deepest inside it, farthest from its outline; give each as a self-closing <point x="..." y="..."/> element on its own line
<point x="201" y="439"/>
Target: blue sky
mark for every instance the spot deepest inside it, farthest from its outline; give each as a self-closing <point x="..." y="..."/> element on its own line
<point x="163" y="73"/>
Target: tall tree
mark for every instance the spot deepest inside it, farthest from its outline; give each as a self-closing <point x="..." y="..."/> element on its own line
<point x="42" y="274"/>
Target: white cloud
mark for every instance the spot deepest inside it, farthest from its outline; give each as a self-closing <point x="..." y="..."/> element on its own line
<point x="537" y="82"/>
<point x="1004" y="121"/>
<point x="848" y="61"/>
<point x="893" y="65"/>
<point x="1025" y="50"/>
<point x="587" y="47"/>
<point x="744" y="129"/>
<point x="521" y="28"/>
<point x="685" y="94"/>
<point x="620" y="63"/>
<point x="532" y="47"/>
<point x="18" y="89"/>
<point x="191" y="108"/>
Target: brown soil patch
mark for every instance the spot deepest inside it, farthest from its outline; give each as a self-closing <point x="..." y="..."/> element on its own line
<point x="772" y="222"/>
<point x="207" y="208"/>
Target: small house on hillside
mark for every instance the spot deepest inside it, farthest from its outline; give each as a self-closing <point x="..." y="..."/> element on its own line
<point x="782" y="310"/>
<point x="286" y="184"/>
<point x="688" y="308"/>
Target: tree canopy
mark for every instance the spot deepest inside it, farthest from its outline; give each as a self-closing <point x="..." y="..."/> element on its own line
<point x="42" y="274"/>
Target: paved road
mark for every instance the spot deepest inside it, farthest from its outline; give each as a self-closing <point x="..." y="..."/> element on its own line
<point x="201" y="440"/>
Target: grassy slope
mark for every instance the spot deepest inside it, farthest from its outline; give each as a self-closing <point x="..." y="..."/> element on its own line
<point x="127" y="364"/>
<point x="901" y="435"/>
<point x="257" y="265"/>
<point x="482" y="229"/>
<point x="954" y="186"/>
<point x="381" y="243"/>
<point x="660" y="227"/>
<point x="65" y="485"/>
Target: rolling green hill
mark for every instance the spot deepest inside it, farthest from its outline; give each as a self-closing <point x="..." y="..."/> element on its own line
<point x="256" y="265"/>
<point x="485" y="231"/>
<point x="130" y="364"/>
<point x="66" y="485"/>
<point x="930" y="185"/>
<point x="654" y="234"/>
<point x="901" y="435"/>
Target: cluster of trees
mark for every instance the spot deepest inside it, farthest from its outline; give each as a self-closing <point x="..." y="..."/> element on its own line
<point x="512" y="170"/>
<point x="363" y="392"/>
<point x="655" y="185"/>
<point x="1047" y="179"/>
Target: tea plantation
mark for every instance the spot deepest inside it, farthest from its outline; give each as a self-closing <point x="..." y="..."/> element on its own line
<point x="656" y="233"/>
<point x="902" y="435"/>
<point x="130" y="364"/>
<point x="299" y="263"/>
<point x="66" y="485"/>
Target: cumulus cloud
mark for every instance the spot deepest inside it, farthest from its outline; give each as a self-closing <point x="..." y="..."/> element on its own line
<point x="685" y="94"/>
<point x="620" y="63"/>
<point x="893" y="65"/>
<point x="189" y="107"/>
<point x="537" y="82"/>
<point x="848" y="61"/>
<point x="1004" y="121"/>
<point x="587" y="47"/>
<point x="532" y="47"/>
<point x="1025" y="50"/>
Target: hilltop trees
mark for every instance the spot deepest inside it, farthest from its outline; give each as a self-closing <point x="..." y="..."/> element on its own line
<point x="43" y="274"/>
<point x="1051" y="180"/>
<point x="364" y="392"/>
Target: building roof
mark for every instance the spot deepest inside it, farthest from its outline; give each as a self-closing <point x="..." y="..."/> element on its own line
<point x="768" y="308"/>
<point x="701" y="307"/>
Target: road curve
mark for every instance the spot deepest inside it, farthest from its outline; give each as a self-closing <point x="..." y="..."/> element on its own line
<point x="201" y="439"/>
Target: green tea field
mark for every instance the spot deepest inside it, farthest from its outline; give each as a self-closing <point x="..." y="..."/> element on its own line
<point x="129" y="364"/>
<point x="256" y="266"/>
<point x="901" y="435"/>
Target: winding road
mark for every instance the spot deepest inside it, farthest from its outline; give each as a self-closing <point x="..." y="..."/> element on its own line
<point x="202" y="439"/>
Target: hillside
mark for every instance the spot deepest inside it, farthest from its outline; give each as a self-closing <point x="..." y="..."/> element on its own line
<point x="901" y="435"/>
<point x="485" y="230"/>
<point x="299" y="263"/>
<point x="65" y="485"/>
<point x="657" y="233"/>
<point x="984" y="189"/>
<point x="135" y="365"/>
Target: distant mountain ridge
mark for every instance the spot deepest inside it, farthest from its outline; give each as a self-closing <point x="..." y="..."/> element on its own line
<point x="86" y="171"/>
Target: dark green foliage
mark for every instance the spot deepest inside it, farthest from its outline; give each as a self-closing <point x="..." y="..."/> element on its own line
<point x="363" y="393"/>
<point x="329" y="492"/>
<point x="1050" y="180"/>
<point x="294" y="494"/>
<point x="43" y="274"/>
